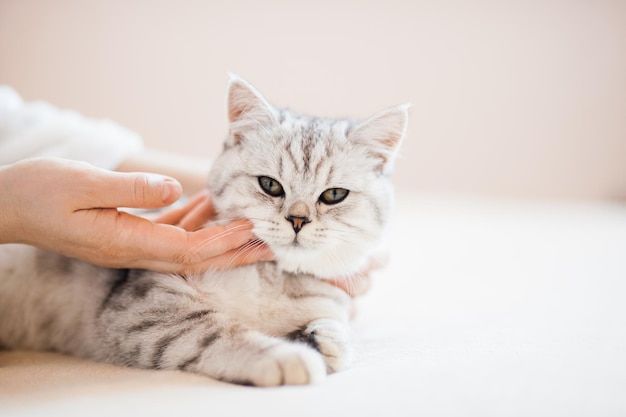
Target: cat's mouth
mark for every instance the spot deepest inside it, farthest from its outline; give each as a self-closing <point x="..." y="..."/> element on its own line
<point x="297" y="244"/>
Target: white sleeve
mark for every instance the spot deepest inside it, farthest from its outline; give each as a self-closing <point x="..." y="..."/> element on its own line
<point x="39" y="129"/>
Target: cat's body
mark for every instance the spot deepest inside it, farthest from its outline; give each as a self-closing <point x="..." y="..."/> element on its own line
<point x="318" y="192"/>
<point x="161" y="321"/>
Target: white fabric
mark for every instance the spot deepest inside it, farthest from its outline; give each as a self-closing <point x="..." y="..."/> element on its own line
<point x="487" y="308"/>
<point x="39" y="129"/>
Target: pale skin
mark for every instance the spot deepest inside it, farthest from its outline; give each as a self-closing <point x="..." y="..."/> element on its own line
<point x="72" y="208"/>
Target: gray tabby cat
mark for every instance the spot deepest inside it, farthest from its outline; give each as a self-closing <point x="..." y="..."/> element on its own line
<point x="317" y="191"/>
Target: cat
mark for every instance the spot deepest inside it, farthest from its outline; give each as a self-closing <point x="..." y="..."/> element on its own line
<point x="318" y="192"/>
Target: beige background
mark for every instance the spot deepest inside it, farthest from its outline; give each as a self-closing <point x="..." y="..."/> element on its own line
<point x="524" y="99"/>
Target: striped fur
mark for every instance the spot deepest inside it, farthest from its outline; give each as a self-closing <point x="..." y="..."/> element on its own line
<point x="268" y="324"/>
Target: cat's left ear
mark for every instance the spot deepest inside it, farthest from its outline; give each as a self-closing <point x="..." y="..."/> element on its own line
<point x="382" y="134"/>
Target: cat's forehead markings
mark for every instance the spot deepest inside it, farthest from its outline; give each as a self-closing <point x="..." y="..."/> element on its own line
<point x="310" y="141"/>
<point x="329" y="177"/>
<point x="291" y="153"/>
<point x="318" y="167"/>
<point x="281" y="166"/>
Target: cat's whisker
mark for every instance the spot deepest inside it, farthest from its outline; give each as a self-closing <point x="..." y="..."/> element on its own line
<point x="348" y="237"/>
<point x="201" y="245"/>
<point x="252" y="247"/>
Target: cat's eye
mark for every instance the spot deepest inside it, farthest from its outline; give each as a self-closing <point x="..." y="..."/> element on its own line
<point x="334" y="195"/>
<point x="271" y="186"/>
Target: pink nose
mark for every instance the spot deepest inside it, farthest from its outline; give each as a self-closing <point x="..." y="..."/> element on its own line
<point x="298" y="222"/>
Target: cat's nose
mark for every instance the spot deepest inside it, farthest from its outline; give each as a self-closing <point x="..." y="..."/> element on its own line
<point x="298" y="222"/>
<point x="298" y="215"/>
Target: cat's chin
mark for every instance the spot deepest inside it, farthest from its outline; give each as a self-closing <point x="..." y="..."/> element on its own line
<point x="319" y="263"/>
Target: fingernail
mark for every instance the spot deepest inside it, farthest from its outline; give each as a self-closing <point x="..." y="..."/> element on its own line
<point x="170" y="188"/>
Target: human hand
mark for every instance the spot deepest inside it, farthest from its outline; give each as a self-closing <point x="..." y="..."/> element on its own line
<point x="71" y="207"/>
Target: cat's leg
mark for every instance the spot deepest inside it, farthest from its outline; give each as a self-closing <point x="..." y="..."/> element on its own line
<point x="210" y="343"/>
<point x="251" y="358"/>
<point x="151" y="321"/>
<point x="330" y="338"/>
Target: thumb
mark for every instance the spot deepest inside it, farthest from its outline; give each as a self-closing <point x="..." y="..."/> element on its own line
<point x="137" y="190"/>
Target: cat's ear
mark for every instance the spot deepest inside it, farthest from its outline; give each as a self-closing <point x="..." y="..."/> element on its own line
<point x="247" y="109"/>
<point x="382" y="134"/>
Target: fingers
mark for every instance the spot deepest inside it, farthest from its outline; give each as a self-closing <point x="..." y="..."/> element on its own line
<point x="179" y="216"/>
<point x="172" y="249"/>
<point x="136" y="190"/>
<point x="199" y="215"/>
<point x="252" y="252"/>
<point x="193" y="215"/>
<point x="216" y="240"/>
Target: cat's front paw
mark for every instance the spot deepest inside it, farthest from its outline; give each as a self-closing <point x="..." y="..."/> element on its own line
<point x="330" y="338"/>
<point x="287" y="364"/>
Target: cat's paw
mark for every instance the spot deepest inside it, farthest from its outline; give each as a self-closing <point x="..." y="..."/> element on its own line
<point x="330" y="338"/>
<point x="287" y="364"/>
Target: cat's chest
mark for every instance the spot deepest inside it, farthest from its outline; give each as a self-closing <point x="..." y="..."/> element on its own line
<point x="250" y="293"/>
<point x="266" y="298"/>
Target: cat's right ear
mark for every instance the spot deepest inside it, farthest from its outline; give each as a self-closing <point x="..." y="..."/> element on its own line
<point x="382" y="134"/>
<point x="248" y="111"/>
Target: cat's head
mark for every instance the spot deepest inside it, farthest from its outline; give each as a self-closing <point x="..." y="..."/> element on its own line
<point x="318" y="191"/>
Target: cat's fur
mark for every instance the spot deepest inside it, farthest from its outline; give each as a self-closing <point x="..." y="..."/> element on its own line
<point x="266" y="324"/>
